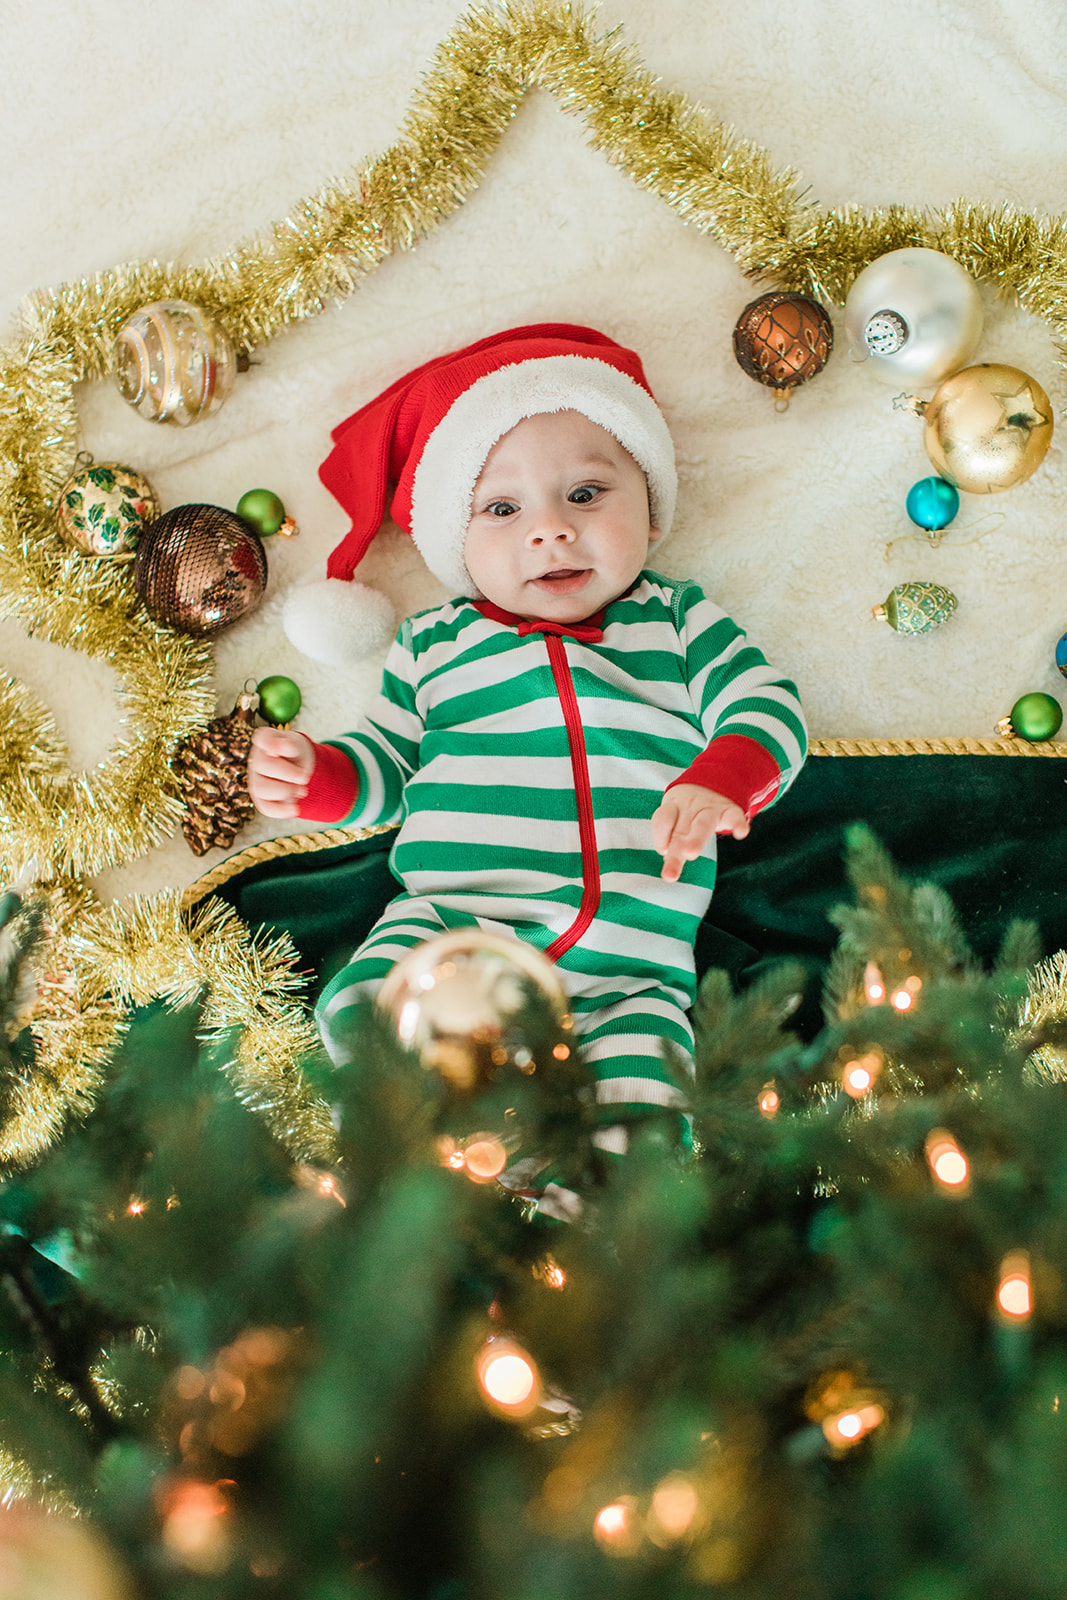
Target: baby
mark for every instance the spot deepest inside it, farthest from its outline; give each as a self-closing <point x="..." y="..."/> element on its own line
<point x="561" y="743"/>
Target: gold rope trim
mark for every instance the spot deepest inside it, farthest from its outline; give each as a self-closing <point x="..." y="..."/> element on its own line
<point x="78" y="824"/>
<point x="273" y="850"/>
<point x="934" y="747"/>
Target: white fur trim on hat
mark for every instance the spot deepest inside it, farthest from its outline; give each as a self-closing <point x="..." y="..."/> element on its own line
<point x="455" y="452"/>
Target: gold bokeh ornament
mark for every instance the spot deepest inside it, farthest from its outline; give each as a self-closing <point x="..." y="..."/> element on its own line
<point x="457" y="1000"/>
<point x="987" y="428"/>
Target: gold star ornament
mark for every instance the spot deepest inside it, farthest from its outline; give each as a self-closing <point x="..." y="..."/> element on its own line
<point x="987" y="428"/>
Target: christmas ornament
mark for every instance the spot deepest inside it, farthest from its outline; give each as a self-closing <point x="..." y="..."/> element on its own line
<point x="456" y="1001"/>
<point x="987" y="428"/>
<point x="103" y="506"/>
<point x="932" y="503"/>
<point x="916" y="607"/>
<point x="199" y="568"/>
<point x="173" y="363"/>
<point x="1061" y="654"/>
<point x="1035" y="717"/>
<point x="782" y="340"/>
<point x="279" y="700"/>
<point x="212" y="769"/>
<point x="913" y="316"/>
<point x="263" y="509"/>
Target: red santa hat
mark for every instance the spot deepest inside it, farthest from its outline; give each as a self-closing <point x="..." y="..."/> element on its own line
<point x="427" y="438"/>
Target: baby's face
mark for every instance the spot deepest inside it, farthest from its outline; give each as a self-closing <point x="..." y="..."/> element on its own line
<point x="559" y="520"/>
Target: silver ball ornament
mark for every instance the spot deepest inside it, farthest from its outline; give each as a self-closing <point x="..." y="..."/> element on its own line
<point x="913" y="316"/>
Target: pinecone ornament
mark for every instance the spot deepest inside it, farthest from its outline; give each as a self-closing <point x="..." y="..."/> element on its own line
<point x="212" y="769"/>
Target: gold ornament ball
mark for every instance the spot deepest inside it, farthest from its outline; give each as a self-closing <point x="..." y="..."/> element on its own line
<point x="987" y="428"/>
<point x="103" y="507"/>
<point x="456" y="999"/>
<point x="173" y="363"/>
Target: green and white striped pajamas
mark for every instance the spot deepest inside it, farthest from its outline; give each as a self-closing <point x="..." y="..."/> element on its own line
<point x="524" y="769"/>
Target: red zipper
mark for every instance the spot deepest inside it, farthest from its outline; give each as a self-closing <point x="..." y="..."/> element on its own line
<point x="572" y="717"/>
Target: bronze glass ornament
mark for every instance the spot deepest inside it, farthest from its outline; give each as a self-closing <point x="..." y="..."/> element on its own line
<point x="783" y="339"/>
<point x="199" y="568"/>
<point x="987" y="428"/>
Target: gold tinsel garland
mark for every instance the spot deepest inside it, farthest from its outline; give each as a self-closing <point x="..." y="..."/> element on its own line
<point x="717" y="183"/>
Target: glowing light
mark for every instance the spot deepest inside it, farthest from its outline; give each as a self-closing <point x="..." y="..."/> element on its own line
<point x="561" y="1051"/>
<point x="498" y="1056"/>
<point x="508" y="1377"/>
<point x="194" y="1525"/>
<point x="1013" y="1293"/>
<point x="137" y="1208"/>
<point x="485" y="1159"/>
<point x="873" y="984"/>
<point x="675" y="1503"/>
<point x="173" y="1202"/>
<point x="191" y="1383"/>
<point x="616" y="1527"/>
<point x="550" y="1273"/>
<point x="769" y="1100"/>
<point x="947" y="1161"/>
<point x="902" y="999"/>
<point x="858" y="1076"/>
<point x="847" y="1428"/>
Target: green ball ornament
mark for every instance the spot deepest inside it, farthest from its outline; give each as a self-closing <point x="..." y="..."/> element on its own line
<point x="266" y="513"/>
<point x="279" y="700"/>
<point x="1035" y="717"/>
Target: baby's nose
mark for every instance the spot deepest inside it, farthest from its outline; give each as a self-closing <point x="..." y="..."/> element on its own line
<point x="552" y="530"/>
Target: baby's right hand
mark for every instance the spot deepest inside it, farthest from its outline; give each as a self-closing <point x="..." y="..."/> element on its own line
<point x="280" y="765"/>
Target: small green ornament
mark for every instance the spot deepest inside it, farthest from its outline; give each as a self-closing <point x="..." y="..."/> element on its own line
<point x="916" y="607"/>
<point x="1035" y="717"/>
<point x="279" y="700"/>
<point x="264" y="510"/>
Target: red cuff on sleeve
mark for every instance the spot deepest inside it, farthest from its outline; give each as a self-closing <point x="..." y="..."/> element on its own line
<point x="332" y="787"/>
<point x="738" y="768"/>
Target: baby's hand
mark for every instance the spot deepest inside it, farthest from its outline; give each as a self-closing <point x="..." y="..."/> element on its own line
<point x="280" y="765"/>
<point x="686" y="819"/>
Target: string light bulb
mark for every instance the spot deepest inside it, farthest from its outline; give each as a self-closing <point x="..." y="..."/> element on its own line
<point x="873" y="984"/>
<point x="1013" y="1292"/>
<point x="617" y="1527"/>
<point x="673" y="1510"/>
<point x="846" y="1428"/>
<point x="859" y="1074"/>
<point x="947" y="1161"/>
<point x="769" y="1100"/>
<point x="508" y="1377"/>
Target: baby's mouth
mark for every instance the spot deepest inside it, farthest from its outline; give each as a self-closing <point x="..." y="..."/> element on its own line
<point x="563" y="580"/>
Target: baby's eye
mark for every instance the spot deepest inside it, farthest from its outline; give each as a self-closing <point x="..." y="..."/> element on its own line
<point x="583" y="494"/>
<point x="501" y="508"/>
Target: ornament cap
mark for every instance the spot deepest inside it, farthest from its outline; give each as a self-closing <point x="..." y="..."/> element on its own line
<point x="886" y="333"/>
<point x="879" y="613"/>
<point x="1005" y="729"/>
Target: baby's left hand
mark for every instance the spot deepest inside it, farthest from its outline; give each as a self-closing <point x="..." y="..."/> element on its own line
<point x="686" y="819"/>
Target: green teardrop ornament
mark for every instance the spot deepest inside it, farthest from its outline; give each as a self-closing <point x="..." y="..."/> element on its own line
<point x="916" y="607"/>
<point x="279" y="699"/>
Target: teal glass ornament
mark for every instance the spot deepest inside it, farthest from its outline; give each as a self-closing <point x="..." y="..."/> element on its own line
<point x="1061" y="655"/>
<point x="932" y="503"/>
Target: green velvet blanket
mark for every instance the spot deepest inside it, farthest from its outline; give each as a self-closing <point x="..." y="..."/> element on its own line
<point x="990" y="830"/>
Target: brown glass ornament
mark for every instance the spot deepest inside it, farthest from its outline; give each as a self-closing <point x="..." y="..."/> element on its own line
<point x="783" y="339"/>
<point x="199" y="568"/>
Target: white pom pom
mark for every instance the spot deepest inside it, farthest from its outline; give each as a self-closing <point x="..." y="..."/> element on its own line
<point x="336" y="621"/>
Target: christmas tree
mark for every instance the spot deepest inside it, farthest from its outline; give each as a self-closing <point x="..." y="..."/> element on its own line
<point x="822" y="1353"/>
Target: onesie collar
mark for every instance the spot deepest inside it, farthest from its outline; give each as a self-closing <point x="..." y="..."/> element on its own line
<point x="589" y="631"/>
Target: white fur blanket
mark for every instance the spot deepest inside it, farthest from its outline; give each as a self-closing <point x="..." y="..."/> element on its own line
<point x="133" y="130"/>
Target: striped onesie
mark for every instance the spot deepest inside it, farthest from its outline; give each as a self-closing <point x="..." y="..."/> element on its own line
<point x="523" y="762"/>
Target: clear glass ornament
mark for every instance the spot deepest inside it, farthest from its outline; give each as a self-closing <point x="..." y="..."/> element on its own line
<point x="173" y="363"/>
